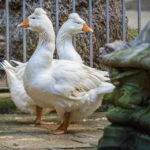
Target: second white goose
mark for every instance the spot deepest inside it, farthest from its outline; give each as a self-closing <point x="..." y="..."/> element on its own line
<point x="65" y="48"/>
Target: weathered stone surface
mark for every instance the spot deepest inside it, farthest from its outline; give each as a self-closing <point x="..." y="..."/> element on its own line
<point x="131" y="98"/>
<point x="136" y="56"/>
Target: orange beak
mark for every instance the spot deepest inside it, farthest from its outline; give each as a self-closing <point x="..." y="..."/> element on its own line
<point x="24" y="24"/>
<point x="86" y="28"/>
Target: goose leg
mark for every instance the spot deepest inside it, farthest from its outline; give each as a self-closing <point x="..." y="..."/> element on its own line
<point x="38" y="117"/>
<point x="63" y="127"/>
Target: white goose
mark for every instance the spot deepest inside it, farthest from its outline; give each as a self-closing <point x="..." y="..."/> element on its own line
<point x="18" y="93"/>
<point x="65" y="50"/>
<point x="73" y="89"/>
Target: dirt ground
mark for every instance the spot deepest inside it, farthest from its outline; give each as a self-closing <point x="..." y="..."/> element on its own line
<point x="17" y="132"/>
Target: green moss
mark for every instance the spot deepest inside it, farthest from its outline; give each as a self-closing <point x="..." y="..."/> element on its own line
<point x="7" y="105"/>
<point x="107" y="97"/>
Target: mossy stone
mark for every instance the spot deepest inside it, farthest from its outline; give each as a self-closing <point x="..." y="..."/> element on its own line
<point x="117" y="138"/>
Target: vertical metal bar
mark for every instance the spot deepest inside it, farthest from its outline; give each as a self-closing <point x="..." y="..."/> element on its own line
<point x="73" y="10"/>
<point x="73" y="6"/>
<point x="107" y="21"/>
<point x="41" y="3"/>
<point x="139" y="16"/>
<point x="7" y="29"/>
<point x="57" y="16"/>
<point x="24" y="31"/>
<point x="123" y="21"/>
<point x="90" y="37"/>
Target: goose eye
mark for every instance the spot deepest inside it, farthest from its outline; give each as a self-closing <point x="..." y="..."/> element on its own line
<point x="78" y="22"/>
<point x="33" y="18"/>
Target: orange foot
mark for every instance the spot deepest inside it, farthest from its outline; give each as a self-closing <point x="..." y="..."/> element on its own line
<point x="58" y="132"/>
<point x="62" y="129"/>
<point x="44" y="123"/>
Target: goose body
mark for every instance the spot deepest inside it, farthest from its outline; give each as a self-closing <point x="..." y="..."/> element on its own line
<point x="69" y="88"/>
<point x="72" y="89"/>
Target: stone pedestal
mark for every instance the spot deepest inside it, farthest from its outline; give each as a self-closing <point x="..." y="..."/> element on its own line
<point x="130" y="117"/>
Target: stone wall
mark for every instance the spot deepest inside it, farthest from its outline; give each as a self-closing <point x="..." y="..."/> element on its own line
<point x="98" y="12"/>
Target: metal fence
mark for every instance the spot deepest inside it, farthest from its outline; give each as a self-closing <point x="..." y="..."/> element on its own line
<point x="73" y="10"/>
<point x="57" y="24"/>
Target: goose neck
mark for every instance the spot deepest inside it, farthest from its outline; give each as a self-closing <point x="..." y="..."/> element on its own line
<point x="43" y="55"/>
<point x="64" y="41"/>
<point x="46" y="37"/>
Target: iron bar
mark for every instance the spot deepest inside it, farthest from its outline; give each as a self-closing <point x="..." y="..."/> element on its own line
<point x="73" y="6"/>
<point x="73" y="10"/>
<point x="7" y="29"/>
<point x="57" y="16"/>
<point x="41" y="3"/>
<point x="123" y="21"/>
<point x="107" y="21"/>
<point x="139" y="16"/>
<point x="24" y="31"/>
<point x="90" y="36"/>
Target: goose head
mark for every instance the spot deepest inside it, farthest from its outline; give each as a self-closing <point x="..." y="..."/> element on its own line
<point x="38" y="21"/>
<point x="75" y="24"/>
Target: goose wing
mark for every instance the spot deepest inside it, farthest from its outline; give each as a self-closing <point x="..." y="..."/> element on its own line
<point x="73" y="80"/>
